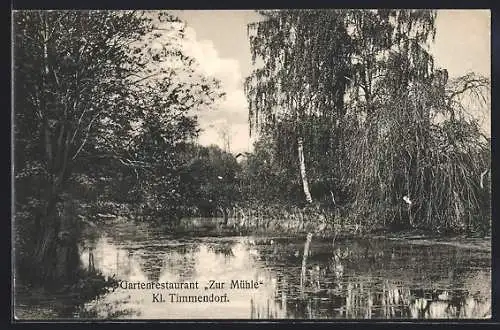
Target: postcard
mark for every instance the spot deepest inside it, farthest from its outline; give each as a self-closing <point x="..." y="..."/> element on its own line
<point x="288" y="164"/>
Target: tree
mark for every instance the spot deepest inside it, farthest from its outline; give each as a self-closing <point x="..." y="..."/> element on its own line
<point x="169" y="91"/>
<point x="224" y="134"/>
<point x="209" y="180"/>
<point x="305" y="54"/>
<point x="265" y="179"/>
<point x="94" y="85"/>
<point x="69" y="69"/>
<point x="364" y="81"/>
<point x="389" y="58"/>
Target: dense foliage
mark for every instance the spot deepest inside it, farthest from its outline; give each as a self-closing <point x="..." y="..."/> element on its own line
<point x="103" y="102"/>
<point x="386" y="135"/>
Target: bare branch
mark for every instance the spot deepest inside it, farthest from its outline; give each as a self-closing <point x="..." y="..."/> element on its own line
<point x="86" y="137"/>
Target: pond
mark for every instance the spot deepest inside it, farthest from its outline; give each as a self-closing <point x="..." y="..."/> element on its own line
<point x="376" y="278"/>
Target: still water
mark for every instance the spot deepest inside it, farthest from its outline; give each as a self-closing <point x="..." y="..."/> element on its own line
<point x="354" y="278"/>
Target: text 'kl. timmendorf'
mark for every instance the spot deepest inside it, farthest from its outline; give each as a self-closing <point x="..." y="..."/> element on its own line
<point x="182" y="294"/>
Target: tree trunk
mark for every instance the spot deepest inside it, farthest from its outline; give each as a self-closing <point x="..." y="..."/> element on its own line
<point x="303" y="174"/>
<point x="309" y="200"/>
<point x="56" y="259"/>
<point x="226" y="216"/>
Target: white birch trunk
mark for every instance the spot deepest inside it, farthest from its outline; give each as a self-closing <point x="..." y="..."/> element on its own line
<point x="302" y="164"/>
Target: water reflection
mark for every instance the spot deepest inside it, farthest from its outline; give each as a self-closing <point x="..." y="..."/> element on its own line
<point x="354" y="279"/>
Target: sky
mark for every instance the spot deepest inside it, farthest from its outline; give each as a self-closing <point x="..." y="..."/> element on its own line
<point x="218" y="40"/>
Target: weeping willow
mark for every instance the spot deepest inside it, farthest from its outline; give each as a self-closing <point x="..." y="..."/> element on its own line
<point x="384" y="132"/>
<point x="424" y="170"/>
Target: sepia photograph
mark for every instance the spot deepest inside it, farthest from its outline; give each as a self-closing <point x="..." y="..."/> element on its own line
<point x="285" y="164"/>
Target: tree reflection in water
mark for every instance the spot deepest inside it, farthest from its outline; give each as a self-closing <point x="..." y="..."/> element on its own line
<point x="359" y="279"/>
<point x="393" y="284"/>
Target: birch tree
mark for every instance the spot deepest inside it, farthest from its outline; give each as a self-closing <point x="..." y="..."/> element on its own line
<point x="298" y="81"/>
